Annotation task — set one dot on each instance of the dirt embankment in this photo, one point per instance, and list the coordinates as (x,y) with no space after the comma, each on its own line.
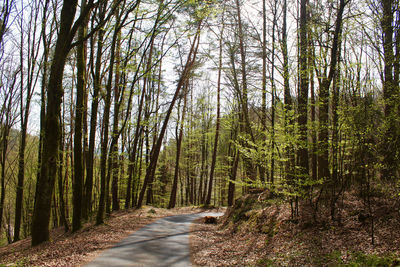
(259,231)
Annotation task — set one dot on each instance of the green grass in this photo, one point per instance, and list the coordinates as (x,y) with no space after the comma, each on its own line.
(361,260)
(356,259)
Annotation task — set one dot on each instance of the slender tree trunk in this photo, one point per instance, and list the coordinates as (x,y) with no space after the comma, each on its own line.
(43,92)
(314,138)
(217,126)
(390,91)
(302,153)
(251,172)
(323,136)
(232,176)
(172,200)
(118,98)
(287,99)
(87,204)
(134,148)
(41,214)
(203,171)
(262,167)
(5,129)
(60,180)
(104,184)
(139,129)
(335,183)
(79,110)
(24,112)
(273,104)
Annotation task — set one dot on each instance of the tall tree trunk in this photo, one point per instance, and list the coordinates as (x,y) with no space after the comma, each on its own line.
(24,111)
(118,98)
(251,172)
(323,136)
(172,199)
(262,167)
(79,110)
(87,204)
(234,163)
(203,170)
(43,92)
(314,138)
(335,183)
(390,91)
(289,167)
(41,214)
(60,180)
(5,132)
(218,122)
(302,153)
(105,182)
(273,104)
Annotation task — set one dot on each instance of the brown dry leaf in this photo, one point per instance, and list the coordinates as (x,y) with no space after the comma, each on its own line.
(292,244)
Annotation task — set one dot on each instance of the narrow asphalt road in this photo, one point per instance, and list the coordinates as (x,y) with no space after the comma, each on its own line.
(164,242)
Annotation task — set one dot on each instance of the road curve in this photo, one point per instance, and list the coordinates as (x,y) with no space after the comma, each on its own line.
(164,242)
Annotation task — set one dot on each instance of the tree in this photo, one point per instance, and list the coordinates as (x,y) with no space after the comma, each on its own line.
(179,136)
(5,12)
(31,78)
(104,185)
(246,127)
(218,122)
(45,183)
(302,152)
(325,82)
(391,72)
(7,120)
(79,109)
(96,76)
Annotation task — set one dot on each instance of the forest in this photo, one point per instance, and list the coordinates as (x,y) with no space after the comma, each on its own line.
(112,105)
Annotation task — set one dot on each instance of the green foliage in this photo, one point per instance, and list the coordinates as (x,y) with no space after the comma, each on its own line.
(361,260)
(266,262)
(19,263)
(355,259)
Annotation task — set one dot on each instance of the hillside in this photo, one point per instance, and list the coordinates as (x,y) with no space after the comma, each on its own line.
(259,232)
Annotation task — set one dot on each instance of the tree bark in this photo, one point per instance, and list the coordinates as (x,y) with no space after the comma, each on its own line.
(104,184)
(24,113)
(302,153)
(79,110)
(114,157)
(251,172)
(45,183)
(390,92)
(323,136)
(172,199)
(218,122)
(87,204)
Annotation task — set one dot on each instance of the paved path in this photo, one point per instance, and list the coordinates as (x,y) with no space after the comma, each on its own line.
(164,242)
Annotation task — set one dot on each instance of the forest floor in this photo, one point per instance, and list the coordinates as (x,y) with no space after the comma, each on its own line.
(76,249)
(265,236)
